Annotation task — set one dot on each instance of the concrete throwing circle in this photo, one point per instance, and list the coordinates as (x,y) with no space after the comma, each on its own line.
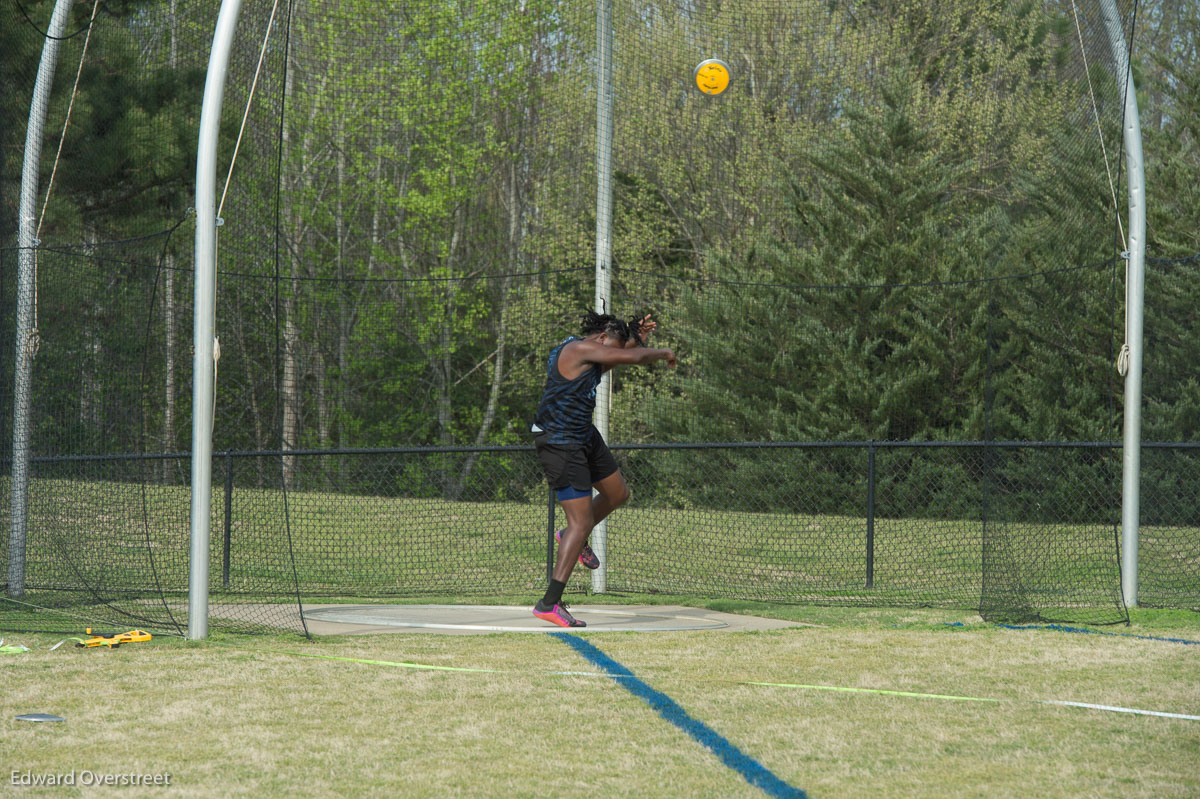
(506,618)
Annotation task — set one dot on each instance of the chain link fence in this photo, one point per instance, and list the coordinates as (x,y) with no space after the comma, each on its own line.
(929,524)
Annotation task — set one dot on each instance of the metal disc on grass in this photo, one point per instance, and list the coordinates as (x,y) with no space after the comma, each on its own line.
(39,717)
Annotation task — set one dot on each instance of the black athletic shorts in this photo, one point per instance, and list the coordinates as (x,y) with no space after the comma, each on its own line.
(575,465)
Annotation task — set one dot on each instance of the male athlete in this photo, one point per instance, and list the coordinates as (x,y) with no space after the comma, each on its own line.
(571,449)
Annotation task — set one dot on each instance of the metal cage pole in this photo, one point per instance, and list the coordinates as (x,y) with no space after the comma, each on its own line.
(604,204)
(204,316)
(27,335)
(1135,289)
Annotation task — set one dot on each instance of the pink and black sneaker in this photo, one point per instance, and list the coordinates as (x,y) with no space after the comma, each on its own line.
(586,555)
(557,614)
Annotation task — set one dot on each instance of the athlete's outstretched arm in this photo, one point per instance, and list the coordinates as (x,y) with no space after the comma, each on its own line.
(642,328)
(608,357)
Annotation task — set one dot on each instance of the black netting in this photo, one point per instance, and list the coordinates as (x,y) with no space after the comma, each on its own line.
(885,257)
(1169,551)
(96,288)
(106,525)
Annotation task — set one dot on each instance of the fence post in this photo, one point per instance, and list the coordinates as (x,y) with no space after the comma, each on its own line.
(228,519)
(549,534)
(1135,290)
(26,330)
(604,245)
(871,515)
(204,317)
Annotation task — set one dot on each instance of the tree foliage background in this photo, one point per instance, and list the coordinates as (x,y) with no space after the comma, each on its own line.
(832,246)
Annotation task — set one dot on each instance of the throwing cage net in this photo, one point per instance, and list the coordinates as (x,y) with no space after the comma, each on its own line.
(887,257)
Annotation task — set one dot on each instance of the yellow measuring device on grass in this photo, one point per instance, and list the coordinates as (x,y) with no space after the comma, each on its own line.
(114,639)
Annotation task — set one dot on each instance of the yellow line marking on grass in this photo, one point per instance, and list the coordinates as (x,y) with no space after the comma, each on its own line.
(834,688)
(415,666)
(396,664)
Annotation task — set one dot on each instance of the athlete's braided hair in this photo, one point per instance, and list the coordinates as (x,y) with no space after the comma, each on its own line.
(607,323)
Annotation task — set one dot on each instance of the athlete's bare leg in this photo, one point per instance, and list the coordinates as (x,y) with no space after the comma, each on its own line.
(579,525)
(583,514)
(612,494)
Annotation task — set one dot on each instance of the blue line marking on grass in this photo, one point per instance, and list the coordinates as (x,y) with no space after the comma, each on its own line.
(750,769)
(1063,629)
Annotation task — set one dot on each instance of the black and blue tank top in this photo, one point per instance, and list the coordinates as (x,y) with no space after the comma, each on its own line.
(565,413)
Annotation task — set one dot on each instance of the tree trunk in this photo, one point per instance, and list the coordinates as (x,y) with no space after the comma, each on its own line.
(89,379)
(289,389)
(443,366)
(168,435)
(489,414)
(260,443)
(169,323)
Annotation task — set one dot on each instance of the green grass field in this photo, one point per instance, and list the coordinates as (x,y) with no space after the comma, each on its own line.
(870,702)
(281,715)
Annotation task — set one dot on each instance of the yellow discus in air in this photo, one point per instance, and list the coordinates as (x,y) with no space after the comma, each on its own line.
(712,76)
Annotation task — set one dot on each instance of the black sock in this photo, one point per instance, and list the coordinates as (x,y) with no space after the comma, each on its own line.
(553,593)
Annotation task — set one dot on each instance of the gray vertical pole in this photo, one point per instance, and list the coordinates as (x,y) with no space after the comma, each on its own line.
(1135,288)
(549,534)
(26,267)
(204,316)
(604,204)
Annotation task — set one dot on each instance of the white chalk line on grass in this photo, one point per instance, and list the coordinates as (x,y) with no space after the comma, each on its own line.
(832,688)
(1115,709)
(836,688)
(916,695)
